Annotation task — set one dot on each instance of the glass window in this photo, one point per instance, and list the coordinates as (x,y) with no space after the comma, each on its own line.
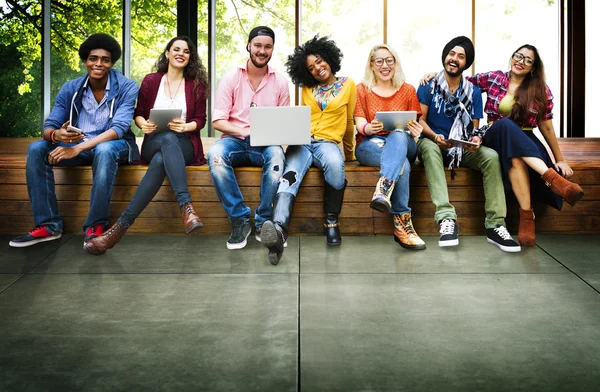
(420,33)
(20,79)
(355,29)
(513,26)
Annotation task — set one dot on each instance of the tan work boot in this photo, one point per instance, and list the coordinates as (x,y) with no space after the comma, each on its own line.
(191,220)
(381,197)
(405,233)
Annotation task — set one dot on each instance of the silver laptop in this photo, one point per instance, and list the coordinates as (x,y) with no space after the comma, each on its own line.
(279,125)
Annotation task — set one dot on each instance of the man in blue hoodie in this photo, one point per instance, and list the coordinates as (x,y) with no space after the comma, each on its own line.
(89,125)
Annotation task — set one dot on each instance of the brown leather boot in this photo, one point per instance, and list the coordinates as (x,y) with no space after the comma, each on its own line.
(569,191)
(405,234)
(526,234)
(99,245)
(191,220)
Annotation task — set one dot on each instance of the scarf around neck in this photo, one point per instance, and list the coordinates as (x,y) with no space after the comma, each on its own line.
(462,125)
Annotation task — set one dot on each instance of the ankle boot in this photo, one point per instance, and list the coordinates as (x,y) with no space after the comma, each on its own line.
(383,191)
(99,245)
(405,234)
(334,199)
(526,234)
(273,234)
(569,191)
(191,220)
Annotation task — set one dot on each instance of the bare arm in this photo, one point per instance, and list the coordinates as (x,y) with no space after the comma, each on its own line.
(229,129)
(428,132)
(547,130)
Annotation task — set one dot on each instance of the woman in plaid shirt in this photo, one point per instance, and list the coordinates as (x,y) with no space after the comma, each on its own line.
(517,102)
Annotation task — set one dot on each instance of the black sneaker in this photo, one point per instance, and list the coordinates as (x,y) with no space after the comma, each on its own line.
(37,234)
(240,232)
(502,239)
(448,233)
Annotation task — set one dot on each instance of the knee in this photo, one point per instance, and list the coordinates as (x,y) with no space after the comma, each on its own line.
(168,138)
(274,156)
(106,152)
(157,160)
(489,156)
(38,149)
(518,163)
(217,156)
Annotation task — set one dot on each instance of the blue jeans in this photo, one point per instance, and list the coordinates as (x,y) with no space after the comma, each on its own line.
(393,153)
(104,158)
(230,152)
(168,154)
(323,154)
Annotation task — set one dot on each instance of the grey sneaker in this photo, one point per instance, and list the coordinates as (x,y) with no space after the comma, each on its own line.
(239,234)
(257,236)
(448,233)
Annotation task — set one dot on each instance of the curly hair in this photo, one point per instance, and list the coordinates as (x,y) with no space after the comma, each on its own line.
(322,47)
(100,41)
(531,94)
(194,70)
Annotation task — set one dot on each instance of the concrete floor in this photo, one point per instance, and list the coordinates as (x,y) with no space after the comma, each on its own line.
(175,313)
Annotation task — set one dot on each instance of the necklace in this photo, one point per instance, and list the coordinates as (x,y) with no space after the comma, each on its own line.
(176,91)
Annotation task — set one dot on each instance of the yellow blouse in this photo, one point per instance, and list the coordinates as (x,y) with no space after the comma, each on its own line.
(336,122)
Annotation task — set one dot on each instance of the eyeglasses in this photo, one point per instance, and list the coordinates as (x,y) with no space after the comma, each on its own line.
(519,57)
(389,61)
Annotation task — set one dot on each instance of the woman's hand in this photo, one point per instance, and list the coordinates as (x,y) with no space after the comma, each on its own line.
(373,127)
(563,169)
(148,127)
(177,125)
(426,78)
(414,128)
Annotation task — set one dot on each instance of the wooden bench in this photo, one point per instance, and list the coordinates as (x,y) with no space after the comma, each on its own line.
(162,215)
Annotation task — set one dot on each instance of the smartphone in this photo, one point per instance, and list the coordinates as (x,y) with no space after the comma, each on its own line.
(74,129)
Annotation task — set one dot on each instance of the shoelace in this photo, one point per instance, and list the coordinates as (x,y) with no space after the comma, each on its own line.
(408,227)
(447,226)
(188,209)
(502,232)
(113,230)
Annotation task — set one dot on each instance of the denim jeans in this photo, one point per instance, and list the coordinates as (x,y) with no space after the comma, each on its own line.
(392,153)
(168,154)
(104,158)
(323,154)
(484,160)
(229,152)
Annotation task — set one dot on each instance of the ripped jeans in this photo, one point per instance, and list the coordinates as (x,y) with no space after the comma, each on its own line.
(229,152)
(324,154)
(393,153)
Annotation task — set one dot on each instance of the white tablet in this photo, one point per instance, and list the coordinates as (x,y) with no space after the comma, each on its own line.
(163,116)
(461,143)
(395,120)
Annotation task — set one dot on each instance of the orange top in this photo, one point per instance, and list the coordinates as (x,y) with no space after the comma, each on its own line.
(369,103)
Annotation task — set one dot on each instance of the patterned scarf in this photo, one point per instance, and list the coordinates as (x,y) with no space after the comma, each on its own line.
(462,126)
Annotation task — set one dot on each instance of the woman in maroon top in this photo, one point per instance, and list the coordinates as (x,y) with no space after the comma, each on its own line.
(180,82)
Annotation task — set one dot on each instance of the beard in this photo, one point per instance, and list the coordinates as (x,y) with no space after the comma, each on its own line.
(459,70)
(257,61)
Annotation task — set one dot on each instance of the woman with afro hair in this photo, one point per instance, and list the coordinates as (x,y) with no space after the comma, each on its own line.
(332,100)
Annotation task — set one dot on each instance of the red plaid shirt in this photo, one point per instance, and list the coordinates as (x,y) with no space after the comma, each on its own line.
(495,84)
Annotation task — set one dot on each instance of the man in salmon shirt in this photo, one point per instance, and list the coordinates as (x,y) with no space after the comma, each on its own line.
(253,83)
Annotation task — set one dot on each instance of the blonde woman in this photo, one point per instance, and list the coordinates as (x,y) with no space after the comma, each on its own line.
(392,150)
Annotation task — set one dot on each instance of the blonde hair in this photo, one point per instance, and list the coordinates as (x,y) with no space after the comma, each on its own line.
(370,80)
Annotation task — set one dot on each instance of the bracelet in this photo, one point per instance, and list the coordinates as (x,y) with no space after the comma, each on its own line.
(52,136)
(363,129)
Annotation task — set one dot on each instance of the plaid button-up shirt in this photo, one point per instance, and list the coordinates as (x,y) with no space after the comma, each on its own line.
(495,84)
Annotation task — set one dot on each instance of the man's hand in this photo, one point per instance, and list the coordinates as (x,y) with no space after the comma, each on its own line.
(473,139)
(442,143)
(61,153)
(64,135)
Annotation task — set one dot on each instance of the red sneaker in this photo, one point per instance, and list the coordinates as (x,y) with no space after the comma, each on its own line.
(93,232)
(38,234)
